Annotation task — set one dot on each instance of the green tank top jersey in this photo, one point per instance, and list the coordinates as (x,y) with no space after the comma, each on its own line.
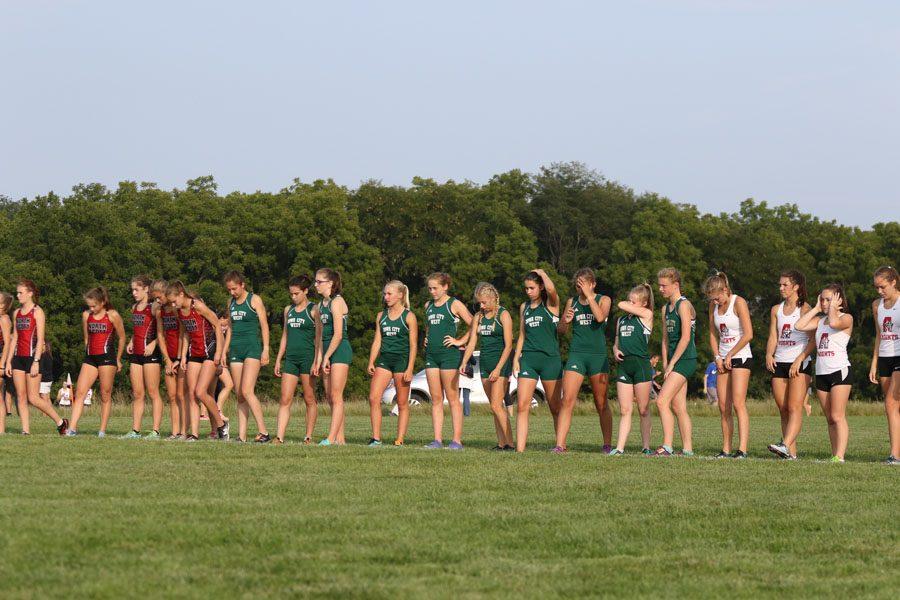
(328,323)
(441,323)
(588,335)
(244,320)
(301,332)
(673,331)
(394,333)
(490,332)
(633,336)
(540,330)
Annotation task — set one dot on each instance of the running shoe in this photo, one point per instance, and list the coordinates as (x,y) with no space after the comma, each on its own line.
(498,447)
(325,442)
(71,433)
(779,449)
(740,455)
(686,453)
(647,451)
(175,436)
(262,438)
(435,445)
(278,441)
(63,427)
(191,438)
(723,454)
(836,459)
(222,432)
(101,434)
(663,451)
(131,435)
(892,461)
(307,441)
(559,450)
(373,443)
(398,443)
(153,435)
(791,457)
(455,446)
(226,427)
(616,452)
(607,449)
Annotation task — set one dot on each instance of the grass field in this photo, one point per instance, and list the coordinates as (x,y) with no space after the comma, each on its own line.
(113,518)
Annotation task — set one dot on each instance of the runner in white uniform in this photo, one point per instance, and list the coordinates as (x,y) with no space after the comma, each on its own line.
(788,353)
(730,332)
(885,369)
(833,327)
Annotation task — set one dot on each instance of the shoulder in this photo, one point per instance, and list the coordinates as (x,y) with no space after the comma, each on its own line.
(875,304)
(740,301)
(428,304)
(85,314)
(774,310)
(256,300)
(410,316)
(522,307)
(379,315)
(338,302)
(287,309)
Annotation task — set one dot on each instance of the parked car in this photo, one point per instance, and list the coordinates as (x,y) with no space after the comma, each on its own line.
(419,393)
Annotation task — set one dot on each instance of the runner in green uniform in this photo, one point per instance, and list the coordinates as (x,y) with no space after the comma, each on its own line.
(298,350)
(333,349)
(634,373)
(247,346)
(537,351)
(392,357)
(587,315)
(492,326)
(442,357)
(679,362)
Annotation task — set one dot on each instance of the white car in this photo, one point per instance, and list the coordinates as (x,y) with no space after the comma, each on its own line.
(419,393)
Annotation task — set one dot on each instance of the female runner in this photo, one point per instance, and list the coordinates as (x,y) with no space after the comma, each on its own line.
(788,352)
(537,352)
(144,356)
(834,379)
(492,326)
(298,350)
(443,357)
(392,357)
(885,369)
(334,351)
(730,332)
(102,362)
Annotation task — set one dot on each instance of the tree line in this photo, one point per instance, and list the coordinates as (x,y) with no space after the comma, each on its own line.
(564,217)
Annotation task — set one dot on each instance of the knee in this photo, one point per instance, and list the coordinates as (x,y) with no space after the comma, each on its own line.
(644,412)
(626,411)
(247,391)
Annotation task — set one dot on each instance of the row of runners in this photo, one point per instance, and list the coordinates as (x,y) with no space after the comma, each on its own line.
(175,335)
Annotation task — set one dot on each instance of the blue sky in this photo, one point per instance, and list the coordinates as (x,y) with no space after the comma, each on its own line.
(706,102)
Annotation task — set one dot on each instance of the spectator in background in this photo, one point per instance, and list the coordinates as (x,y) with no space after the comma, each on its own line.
(709,383)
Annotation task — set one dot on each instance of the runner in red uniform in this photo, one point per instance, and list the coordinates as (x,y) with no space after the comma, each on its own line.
(202,353)
(99,322)
(24,363)
(145,358)
(168,332)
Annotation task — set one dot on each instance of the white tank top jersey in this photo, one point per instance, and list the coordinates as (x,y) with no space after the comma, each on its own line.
(889,329)
(730,331)
(831,348)
(791,342)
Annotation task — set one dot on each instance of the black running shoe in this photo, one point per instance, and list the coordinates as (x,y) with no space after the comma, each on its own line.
(63,427)
(222,432)
(739,455)
(262,438)
(723,454)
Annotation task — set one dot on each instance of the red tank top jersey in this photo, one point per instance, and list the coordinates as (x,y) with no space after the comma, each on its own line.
(100,333)
(170,331)
(144,324)
(26,327)
(200,332)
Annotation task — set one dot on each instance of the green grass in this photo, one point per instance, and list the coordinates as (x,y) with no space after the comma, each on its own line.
(111,518)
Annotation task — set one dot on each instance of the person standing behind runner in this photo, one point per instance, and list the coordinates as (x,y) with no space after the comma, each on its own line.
(492,325)
(537,352)
(144,356)
(298,350)
(392,357)
(788,354)
(334,351)
(587,314)
(168,343)
(679,355)
(635,373)
(99,322)
(885,369)
(24,356)
(202,351)
(443,357)
(834,378)
(5,349)
(730,332)
(247,348)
